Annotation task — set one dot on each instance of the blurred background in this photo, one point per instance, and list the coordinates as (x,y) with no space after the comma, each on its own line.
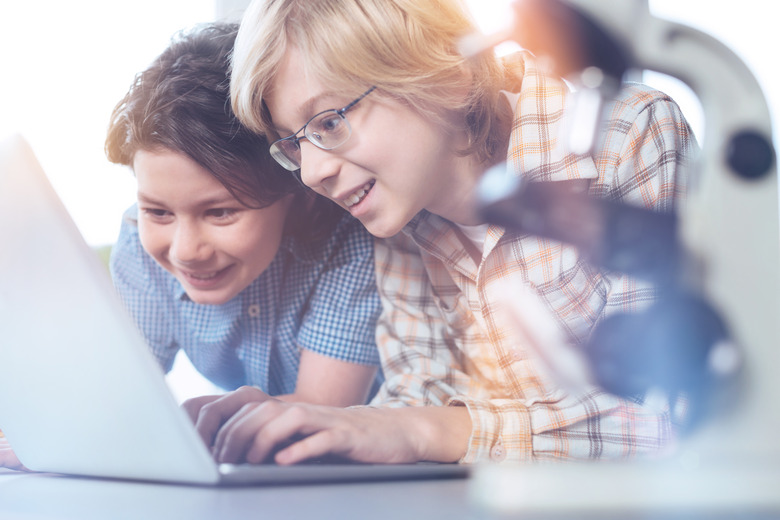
(64,65)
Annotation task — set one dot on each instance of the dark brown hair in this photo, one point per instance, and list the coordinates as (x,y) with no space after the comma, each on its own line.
(181,103)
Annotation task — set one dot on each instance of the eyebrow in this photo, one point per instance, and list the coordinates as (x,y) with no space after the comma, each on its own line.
(142,197)
(214,201)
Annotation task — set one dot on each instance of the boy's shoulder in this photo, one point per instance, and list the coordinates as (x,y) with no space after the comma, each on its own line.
(637,97)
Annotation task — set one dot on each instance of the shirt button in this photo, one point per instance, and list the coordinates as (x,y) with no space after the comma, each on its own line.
(517,355)
(254,310)
(497,452)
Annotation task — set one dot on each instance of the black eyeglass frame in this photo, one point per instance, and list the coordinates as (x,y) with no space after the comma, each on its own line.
(276,150)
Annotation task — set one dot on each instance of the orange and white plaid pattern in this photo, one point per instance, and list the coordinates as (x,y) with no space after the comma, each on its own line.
(442,336)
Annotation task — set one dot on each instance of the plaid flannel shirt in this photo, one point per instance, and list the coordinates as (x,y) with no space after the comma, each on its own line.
(441,336)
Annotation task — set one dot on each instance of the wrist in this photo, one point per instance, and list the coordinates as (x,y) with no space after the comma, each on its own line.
(443,432)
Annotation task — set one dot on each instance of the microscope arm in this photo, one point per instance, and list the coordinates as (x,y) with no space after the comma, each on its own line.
(730,223)
(728,229)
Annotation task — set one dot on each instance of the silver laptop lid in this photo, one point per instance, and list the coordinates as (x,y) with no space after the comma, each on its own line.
(80,393)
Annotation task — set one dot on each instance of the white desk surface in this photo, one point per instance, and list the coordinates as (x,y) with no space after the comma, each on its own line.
(40,496)
(50,497)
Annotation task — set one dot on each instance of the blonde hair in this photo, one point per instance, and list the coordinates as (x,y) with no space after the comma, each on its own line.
(407,48)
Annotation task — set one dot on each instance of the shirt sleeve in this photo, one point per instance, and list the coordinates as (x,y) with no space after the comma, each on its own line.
(421,360)
(143,287)
(340,321)
(646,148)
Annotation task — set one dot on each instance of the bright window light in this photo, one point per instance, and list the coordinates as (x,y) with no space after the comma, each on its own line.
(64,67)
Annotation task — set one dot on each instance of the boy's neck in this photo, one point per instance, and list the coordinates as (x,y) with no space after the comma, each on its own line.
(458,201)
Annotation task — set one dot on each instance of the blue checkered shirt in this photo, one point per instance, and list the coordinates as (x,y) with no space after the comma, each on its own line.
(319,295)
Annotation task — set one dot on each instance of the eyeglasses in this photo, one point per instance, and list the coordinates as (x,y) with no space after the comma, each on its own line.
(326,130)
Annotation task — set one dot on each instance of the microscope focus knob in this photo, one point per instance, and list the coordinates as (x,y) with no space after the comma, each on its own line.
(750,154)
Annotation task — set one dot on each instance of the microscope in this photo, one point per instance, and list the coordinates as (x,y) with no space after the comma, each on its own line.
(716,261)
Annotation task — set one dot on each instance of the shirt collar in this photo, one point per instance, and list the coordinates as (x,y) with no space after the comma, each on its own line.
(438,236)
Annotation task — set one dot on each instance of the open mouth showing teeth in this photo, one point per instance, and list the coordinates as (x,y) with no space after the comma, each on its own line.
(204,276)
(359,195)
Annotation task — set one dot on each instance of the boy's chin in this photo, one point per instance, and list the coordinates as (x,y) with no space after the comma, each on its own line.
(208,299)
(383,231)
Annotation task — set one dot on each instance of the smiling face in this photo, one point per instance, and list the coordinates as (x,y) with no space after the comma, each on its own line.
(395,163)
(196,230)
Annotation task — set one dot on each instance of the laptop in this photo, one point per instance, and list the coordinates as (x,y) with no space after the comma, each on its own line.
(80,391)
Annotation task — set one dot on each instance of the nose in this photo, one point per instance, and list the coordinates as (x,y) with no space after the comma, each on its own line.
(189,244)
(318,167)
